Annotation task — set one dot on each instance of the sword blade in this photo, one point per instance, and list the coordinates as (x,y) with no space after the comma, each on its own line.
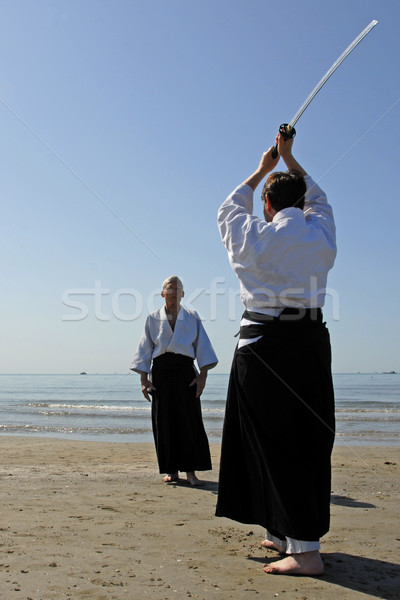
(333,68)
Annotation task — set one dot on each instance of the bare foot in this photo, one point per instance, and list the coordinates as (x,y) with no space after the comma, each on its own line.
(305,563)
(170,478)
(272,546)
(192,479)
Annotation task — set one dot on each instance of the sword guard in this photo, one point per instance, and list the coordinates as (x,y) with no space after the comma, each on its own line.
(287,133)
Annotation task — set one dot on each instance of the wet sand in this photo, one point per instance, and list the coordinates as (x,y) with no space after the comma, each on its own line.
(93,520)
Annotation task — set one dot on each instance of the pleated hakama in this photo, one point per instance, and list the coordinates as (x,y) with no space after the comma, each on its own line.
(179,435)
(278,432)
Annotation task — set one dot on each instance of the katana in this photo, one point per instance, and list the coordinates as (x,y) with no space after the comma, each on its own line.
(287,130)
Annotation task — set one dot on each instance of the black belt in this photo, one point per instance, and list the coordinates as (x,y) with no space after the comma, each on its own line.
(173,357)
(289,316)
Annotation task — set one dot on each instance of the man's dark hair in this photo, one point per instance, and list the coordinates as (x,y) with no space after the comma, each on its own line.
(284,190)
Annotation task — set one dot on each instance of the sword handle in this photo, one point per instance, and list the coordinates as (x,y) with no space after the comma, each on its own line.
(287,133)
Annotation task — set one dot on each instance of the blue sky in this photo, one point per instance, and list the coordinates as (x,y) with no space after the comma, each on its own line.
(124,126)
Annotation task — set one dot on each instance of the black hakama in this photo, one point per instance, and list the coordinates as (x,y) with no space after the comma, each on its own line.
(179,435)
(279,431)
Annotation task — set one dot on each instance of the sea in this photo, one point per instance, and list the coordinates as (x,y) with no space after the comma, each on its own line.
(111,408)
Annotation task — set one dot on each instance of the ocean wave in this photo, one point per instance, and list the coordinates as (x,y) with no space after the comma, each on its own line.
(372,418)
(371,411)
(369,434)
(92,407)
(80,430)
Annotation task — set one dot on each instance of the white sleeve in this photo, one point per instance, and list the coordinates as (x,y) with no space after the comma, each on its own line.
(142,359)
(205,354)
(318,211)
(238,227)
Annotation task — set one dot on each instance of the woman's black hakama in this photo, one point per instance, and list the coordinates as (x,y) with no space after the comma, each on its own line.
(179,435)
(279,431)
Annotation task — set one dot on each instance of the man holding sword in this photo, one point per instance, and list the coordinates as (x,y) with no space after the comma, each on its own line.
(279,423)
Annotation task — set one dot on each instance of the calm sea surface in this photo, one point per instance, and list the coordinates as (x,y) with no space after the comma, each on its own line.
(112,408)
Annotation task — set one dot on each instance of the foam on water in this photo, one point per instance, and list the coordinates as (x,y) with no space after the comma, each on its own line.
(112,408)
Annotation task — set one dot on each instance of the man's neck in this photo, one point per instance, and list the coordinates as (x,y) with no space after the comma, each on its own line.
(173,310)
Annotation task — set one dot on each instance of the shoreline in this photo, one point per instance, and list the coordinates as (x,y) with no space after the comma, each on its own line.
(93,520)
(96,438)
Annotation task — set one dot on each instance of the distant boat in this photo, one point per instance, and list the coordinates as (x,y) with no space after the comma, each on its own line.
(389,373)
(83,373)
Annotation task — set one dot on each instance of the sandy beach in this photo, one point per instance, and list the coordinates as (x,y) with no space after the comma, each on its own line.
(93,520)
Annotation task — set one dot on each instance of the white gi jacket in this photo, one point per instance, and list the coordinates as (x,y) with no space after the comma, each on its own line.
(188,338)
(285,262)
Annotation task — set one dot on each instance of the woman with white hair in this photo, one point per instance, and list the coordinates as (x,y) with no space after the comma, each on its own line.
(173,337)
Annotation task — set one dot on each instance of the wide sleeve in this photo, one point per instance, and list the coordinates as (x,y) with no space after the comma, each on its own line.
(142,359)
(205,354)
(236,223)
(318,212)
